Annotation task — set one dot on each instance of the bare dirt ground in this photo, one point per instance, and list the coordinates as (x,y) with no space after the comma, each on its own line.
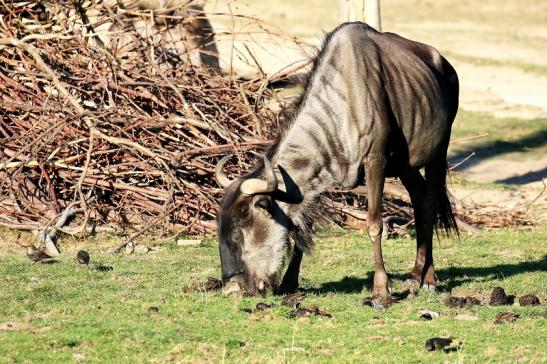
(497,47)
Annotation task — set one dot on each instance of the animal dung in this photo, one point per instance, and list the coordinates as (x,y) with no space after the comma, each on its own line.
(381,303)
(459,302)
(212,284)
(472,301)
(428,315)
(104,267)
(437,343)
(38,256)
(246,310)
(498,297)
(261,306)
(293,300)
(455,302)
(153,309)
(529,300)
(82,257)
(309,311)
(505,317)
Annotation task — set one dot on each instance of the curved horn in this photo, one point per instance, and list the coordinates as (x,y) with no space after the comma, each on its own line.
(254,186)
(219,172)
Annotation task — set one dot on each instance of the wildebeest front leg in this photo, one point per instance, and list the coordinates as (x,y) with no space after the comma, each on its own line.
(375,176)
(290,279)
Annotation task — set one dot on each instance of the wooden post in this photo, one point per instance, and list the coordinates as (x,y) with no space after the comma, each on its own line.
(360,10)
(372,14)
(350,10)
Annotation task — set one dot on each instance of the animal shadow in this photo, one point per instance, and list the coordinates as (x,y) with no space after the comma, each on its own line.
(449,277)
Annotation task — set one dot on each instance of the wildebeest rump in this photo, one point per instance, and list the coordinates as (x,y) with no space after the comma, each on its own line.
(375,105)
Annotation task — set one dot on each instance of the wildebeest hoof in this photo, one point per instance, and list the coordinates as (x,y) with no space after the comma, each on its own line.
(287,289)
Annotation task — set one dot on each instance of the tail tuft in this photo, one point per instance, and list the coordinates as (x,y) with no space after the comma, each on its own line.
(445,214)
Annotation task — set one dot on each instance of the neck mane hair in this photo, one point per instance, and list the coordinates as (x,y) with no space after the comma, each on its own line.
(310,211)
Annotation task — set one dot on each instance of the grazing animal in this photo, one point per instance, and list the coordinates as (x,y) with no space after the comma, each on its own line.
(375,105)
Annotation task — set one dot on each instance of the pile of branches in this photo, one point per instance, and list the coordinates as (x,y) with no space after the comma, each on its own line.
(122,140)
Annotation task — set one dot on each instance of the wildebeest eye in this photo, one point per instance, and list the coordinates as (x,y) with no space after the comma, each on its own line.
(264,203)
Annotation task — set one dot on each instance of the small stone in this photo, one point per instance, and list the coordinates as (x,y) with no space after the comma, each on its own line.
(529,300)
(153,309)
(437,343)
(129,247)
(246,310)
(505,317)
(428,315)
(498,297)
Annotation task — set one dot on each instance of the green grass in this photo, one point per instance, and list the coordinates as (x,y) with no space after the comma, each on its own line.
(536,69)
(64,313)
(512,138)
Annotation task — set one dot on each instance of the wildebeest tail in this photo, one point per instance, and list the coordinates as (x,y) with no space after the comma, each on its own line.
(445,213)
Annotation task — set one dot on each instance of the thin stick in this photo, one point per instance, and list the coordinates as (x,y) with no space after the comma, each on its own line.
(134,236)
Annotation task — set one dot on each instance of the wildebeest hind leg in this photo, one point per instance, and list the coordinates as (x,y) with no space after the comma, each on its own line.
(290,279)
(375,176)
(423,202)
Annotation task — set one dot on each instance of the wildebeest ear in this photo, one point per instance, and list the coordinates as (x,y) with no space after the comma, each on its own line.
(264,203)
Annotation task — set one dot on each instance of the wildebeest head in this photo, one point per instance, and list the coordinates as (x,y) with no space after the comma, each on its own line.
(253,231)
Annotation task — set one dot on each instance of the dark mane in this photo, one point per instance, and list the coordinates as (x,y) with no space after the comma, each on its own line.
(315,213)
(289,114)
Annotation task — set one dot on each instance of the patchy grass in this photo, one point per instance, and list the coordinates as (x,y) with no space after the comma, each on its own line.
(513,138)
(536,69)
(64,312)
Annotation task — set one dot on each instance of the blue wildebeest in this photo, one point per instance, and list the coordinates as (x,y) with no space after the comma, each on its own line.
(375,105)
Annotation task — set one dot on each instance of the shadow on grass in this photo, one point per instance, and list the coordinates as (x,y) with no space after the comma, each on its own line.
(532,176)
(450,278)
(536,139)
